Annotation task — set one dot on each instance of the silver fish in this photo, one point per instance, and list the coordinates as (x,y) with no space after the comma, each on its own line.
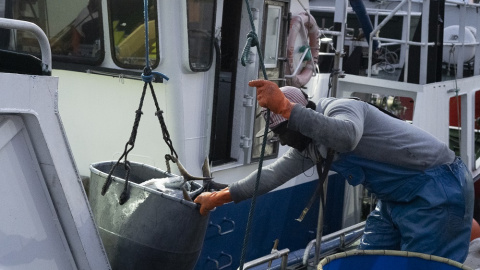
(169,185)
(176,186)
(209,184)
(206,169)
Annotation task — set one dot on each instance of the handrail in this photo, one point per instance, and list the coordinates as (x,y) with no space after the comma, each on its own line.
(379,26)
(341,233)
(323,32)
(370,11)
(463,3)
(38,33)
(274,255)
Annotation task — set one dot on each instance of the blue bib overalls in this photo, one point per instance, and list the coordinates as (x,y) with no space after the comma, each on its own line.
(421,211)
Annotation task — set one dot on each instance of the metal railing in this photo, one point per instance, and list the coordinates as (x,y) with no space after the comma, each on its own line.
(267,258)
(341,234)
(406,43)
(39,35)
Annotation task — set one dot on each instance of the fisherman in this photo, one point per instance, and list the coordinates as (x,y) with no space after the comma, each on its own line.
(425,193)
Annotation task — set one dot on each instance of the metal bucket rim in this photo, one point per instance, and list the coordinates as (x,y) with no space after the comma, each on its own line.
(96,171)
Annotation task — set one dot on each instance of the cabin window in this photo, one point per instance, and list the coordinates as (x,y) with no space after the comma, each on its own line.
(272,35)
(74,32)
(201,25)
(127,33)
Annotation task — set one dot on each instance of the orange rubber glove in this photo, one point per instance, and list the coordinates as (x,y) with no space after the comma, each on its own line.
(210,200)
(270,96)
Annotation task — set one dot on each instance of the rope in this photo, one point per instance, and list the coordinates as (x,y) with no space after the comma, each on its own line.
(148,74)
(252,41)
(147,42)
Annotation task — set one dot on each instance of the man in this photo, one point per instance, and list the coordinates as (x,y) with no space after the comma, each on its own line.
(86,27)
(425,193)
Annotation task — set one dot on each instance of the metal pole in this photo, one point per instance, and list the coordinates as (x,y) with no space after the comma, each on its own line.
(318,239)
(460,49)
(476,65)
(340,19)
(374,33)
(336,72)
(275,255)
(424,40)
(407,38)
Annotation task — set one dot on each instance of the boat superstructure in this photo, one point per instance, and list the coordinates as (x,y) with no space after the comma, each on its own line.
(98,52)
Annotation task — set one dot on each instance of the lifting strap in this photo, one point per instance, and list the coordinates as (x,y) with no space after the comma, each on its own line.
(322,177)
(147,77)
(131,144)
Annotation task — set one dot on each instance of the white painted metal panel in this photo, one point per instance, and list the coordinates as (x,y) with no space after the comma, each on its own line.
(33,101)
(30,234)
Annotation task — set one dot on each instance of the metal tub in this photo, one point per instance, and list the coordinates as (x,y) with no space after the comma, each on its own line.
(152,230)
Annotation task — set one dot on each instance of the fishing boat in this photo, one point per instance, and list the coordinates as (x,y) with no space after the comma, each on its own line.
(73,77)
